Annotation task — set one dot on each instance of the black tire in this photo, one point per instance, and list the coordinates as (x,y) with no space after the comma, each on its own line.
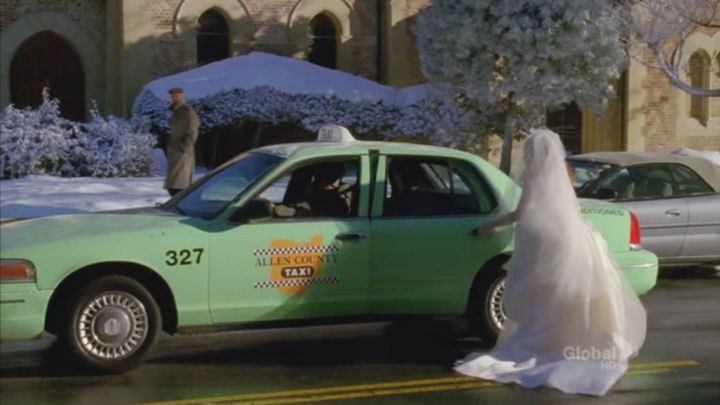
(130,320)
(485,312)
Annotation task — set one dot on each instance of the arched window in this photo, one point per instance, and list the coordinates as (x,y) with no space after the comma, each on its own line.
(324,41)
(699,76)
(48,60)
(213,39)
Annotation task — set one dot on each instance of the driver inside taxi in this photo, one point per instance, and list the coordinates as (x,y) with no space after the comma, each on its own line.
(328,196)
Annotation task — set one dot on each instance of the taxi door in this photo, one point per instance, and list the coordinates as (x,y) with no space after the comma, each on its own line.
(424,257)
(285,268)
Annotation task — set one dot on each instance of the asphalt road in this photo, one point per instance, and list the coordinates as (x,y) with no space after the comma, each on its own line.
(398,363)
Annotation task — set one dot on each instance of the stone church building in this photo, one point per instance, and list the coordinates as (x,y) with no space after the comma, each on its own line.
(104,51)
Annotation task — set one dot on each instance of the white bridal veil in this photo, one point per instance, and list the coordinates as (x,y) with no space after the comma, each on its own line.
(573,319)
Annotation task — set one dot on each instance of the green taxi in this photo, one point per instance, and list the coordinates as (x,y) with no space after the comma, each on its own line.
(335,229)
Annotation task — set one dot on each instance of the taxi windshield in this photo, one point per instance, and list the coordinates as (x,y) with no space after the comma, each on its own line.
(213,193)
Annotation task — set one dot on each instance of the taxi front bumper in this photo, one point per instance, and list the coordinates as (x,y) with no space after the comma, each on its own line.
(22,311)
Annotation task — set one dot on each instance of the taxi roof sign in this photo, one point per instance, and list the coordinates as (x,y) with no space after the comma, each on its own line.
(334,133)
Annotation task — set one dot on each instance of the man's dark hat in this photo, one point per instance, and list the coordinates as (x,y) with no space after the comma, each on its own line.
(175,90)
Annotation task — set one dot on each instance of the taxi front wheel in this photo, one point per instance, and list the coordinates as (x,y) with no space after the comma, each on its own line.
(485,312)
(110,326)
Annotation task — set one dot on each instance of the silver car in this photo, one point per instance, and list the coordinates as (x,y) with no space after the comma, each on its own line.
(676,199)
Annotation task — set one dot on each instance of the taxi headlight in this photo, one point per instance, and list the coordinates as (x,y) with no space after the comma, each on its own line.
(16,271)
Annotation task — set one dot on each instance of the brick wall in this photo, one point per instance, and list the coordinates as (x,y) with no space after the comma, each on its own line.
(269,20)
(667,124)
(163,12)
(413,7)
(659,131)
(89,14)
(409,13)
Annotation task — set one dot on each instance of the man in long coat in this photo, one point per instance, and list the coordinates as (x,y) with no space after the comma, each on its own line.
(180,143)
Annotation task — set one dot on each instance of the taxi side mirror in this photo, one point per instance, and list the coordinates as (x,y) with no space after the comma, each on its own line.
(605,194)
(254,210)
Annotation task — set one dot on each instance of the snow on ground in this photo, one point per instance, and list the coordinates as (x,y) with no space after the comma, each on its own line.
(40,196)
(37,196)
(289,75)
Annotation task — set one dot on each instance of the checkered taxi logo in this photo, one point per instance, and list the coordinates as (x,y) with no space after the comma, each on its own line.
(296,250)
(298,282)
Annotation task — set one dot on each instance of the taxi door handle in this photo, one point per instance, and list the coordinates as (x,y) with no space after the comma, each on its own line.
(350,236)
(673,213)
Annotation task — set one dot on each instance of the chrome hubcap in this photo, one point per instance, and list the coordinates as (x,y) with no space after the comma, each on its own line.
(113,325)
(497,311)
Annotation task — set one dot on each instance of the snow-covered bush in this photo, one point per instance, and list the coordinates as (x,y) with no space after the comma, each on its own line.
(273,90)
(34,140)
(40,141)
(436,117)
(111,147)
(429,117)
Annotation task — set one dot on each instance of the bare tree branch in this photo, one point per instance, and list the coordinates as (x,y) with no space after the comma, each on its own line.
(663,27)
(709,17)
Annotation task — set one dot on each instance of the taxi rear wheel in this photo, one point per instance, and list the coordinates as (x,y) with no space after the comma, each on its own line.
(486,312)
(111,324)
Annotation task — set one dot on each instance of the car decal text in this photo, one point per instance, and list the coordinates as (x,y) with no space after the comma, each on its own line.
(295,266)
(604,211)
(183,257)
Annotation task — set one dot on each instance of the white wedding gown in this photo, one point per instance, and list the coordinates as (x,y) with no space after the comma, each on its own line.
(573,319)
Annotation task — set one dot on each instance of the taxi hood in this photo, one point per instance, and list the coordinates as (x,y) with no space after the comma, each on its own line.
(38,231)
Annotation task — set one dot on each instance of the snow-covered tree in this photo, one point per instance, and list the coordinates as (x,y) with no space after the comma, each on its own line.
(512,59)
(663,27)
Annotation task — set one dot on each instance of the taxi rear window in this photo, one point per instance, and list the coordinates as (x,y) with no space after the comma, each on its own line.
(435,187)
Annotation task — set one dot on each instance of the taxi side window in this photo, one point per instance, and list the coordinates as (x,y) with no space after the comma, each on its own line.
(435,187)
(325,189)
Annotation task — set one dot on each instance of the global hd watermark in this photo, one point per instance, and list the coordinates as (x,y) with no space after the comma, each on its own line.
(607,357)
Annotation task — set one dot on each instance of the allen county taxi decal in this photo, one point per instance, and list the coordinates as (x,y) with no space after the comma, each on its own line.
(295,266)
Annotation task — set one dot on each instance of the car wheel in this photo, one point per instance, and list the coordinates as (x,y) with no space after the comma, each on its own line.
(485,312)
(111,325)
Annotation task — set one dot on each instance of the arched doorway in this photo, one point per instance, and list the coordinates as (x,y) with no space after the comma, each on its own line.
(323,49)
(213,38)
(47,59)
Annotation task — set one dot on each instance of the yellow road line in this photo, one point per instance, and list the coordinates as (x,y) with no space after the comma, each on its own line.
(372,393)
(650,371)
(680,363)
(311,391)
(400,391)
(388,388)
